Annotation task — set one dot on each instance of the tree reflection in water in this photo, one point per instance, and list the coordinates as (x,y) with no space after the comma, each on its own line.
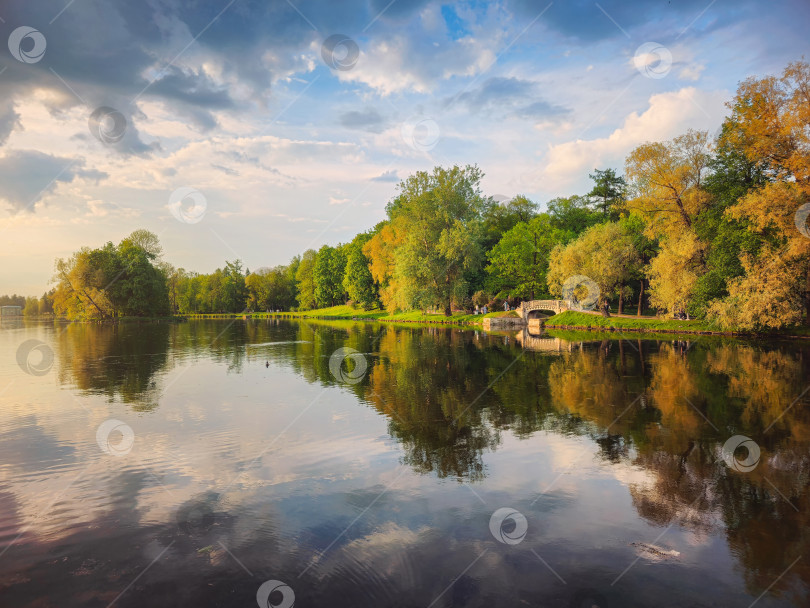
(664,406)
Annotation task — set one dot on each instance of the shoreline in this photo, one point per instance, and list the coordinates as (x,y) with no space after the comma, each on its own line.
(690,332)
(654,326)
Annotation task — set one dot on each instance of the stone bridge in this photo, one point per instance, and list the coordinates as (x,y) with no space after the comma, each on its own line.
(555,306)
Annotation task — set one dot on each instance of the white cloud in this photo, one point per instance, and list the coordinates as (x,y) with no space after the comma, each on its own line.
(400,63)
(691,71)
(668,115)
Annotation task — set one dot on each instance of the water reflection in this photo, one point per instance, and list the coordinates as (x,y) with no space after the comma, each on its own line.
(119,361)
(656,413)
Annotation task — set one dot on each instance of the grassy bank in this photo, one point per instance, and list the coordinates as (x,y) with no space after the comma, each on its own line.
(347,312)
(585,321)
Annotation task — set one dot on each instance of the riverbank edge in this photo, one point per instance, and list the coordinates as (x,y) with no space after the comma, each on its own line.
(476,321)
(690,332)
(653,329)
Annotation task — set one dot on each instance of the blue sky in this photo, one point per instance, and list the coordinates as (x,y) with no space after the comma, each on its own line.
(290,123)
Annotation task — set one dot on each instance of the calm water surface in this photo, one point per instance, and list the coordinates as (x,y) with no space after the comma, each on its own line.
(187,464)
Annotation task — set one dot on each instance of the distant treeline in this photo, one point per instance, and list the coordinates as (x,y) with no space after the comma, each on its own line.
(30,306)
(709,228)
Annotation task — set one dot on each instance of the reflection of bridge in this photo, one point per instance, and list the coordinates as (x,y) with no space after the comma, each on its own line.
(555,306)
(543,343)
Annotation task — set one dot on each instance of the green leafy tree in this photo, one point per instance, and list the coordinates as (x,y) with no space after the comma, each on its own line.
(290,272)
(646,248)
(112,281)
(438,216)
(234,290)
(608,192)
(498,217)
(358,282)
(12,300)
(304,279)
(573,214)
(330,267)
(270,289)
(137,287)
(518,263)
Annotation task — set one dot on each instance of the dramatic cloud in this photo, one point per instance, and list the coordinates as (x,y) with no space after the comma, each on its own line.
(23,173)
(9,119)
(293,148)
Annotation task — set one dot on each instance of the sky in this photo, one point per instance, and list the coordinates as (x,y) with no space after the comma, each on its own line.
(254,130)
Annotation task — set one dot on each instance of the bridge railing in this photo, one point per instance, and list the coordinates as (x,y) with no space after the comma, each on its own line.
(551,305)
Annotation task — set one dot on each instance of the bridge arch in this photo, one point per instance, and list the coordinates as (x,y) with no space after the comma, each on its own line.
(539,313)
(533,308)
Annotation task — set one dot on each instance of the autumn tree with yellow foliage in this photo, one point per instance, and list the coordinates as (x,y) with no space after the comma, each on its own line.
(770,126)
(666,179)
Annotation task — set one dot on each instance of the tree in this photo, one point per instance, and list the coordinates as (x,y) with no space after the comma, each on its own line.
(112,281)
(518,263)
(290,272)
(305,281)
(136,288)
(604,253)
(327,275)
(674,272)
(258,286)
(646,248)
(608,191)
(148,241)
(498,218)
(234,290)
(379,250)
(768,296)
(358,282)
(439,216)
(728,239)
(573,214)
(12,300)
(172,277)
(770,126)
(667,178)
(270,289)
(45,304)
(31,307)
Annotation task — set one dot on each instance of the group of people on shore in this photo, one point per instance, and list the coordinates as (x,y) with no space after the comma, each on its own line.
(482,310)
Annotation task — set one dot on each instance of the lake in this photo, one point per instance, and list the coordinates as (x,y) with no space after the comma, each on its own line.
(272,462)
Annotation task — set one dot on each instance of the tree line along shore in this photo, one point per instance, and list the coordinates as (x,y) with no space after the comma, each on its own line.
(713,229)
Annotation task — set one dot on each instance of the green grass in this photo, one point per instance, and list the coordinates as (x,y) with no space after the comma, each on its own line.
(414,316)
(582,319)
(343,311)
(597,321)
